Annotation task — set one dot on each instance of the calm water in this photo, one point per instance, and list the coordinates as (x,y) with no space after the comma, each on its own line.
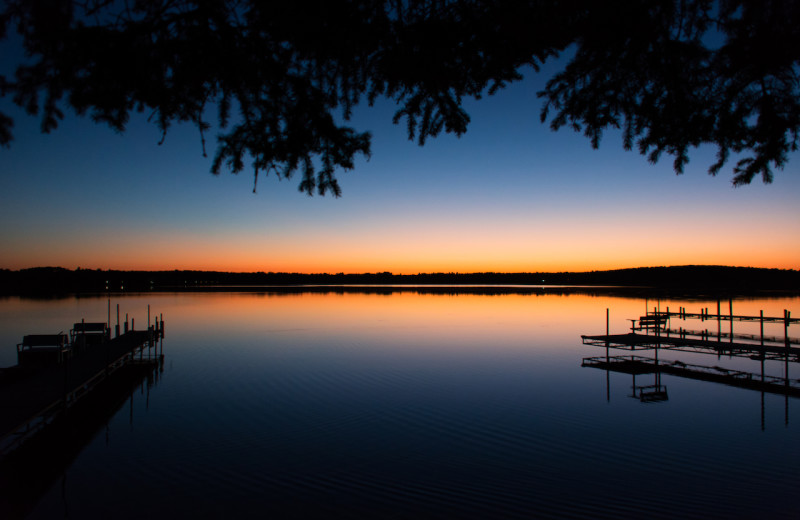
(416,405)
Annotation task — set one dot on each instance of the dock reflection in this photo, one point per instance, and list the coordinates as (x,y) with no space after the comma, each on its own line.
(652,334)
(28,472)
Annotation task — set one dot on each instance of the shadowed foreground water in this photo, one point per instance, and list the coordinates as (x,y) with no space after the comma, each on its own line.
(414,405)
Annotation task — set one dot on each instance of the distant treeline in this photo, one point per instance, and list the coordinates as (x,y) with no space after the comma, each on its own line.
(685,279)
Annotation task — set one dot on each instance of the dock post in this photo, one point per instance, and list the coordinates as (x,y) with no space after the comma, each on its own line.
(126,322)
(153,341)
(82,344)
(786,318)
(148,316)
(762,329)
(719,323)
(607,340)
(730,313)
(133,323)
(116,335)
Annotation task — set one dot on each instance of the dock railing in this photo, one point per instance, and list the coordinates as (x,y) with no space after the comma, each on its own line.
(54,374)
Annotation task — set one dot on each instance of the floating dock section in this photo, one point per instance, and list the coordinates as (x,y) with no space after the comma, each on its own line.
(657,331)
(53,375)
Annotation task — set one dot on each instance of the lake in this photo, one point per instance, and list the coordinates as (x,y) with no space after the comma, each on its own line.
(387,403)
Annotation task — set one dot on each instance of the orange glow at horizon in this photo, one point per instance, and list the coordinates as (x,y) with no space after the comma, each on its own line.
(574,243)
(425,254)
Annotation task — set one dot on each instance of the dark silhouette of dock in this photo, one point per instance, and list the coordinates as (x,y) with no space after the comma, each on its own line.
(638,365)
(654,333)
(32,397)
(682,342)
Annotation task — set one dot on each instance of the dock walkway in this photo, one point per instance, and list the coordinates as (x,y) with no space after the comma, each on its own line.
(652,332)
(635,341)
(31,398)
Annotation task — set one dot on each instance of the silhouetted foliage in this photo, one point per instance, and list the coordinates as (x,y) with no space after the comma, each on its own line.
(686,280)
(675,75)
(284,76)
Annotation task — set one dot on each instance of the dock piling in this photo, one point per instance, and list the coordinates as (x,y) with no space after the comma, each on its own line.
(50,390)
(607,332)
(730,313)
(757,347)
(786,319)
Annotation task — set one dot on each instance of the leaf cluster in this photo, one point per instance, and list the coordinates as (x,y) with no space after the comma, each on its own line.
(284,77)
(674,75)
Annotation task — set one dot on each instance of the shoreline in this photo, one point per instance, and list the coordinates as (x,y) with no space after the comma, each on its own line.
(722,281)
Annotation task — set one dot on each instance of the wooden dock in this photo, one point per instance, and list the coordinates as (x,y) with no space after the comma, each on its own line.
(655,332)
(685,343)
(32,397)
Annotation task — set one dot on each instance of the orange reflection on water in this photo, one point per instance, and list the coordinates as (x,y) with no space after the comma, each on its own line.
(410,318)
(449,320)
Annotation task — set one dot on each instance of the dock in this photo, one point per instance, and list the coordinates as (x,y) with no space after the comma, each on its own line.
(657,332)
(685,343)
(33,394)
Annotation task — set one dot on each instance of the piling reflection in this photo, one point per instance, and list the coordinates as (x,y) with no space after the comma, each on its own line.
(654,333)
(424,405)
(42,461)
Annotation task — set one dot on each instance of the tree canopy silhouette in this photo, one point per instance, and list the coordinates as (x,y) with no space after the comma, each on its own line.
(284,77)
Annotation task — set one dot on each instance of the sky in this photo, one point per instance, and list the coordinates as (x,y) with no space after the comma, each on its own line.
(508,196)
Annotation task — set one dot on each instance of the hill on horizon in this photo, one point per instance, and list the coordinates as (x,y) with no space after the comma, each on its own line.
(688,278)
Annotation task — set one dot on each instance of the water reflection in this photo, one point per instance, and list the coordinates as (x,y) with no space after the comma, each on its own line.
(655,333)
(420,405)
(42,462)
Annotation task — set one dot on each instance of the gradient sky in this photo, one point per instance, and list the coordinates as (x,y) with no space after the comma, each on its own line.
(510,195)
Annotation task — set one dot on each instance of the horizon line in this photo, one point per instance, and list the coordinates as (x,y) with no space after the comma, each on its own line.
(389,273)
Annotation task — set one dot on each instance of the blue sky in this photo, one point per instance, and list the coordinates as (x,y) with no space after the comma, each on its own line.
(509,195)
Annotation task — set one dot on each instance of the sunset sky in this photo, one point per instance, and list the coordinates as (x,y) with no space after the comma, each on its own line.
(510,195)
